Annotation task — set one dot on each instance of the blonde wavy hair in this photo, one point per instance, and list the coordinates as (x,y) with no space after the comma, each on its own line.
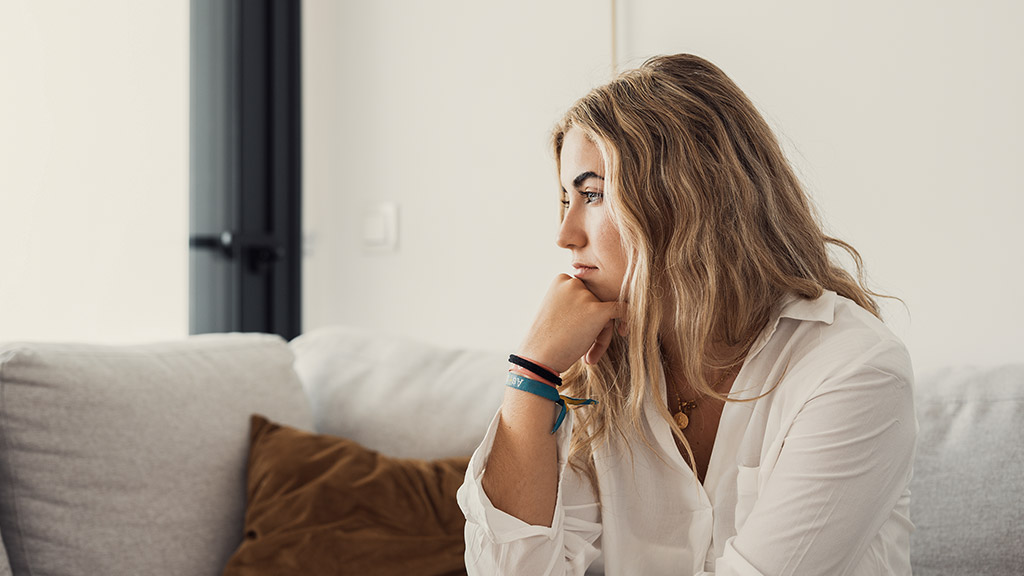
(717,229)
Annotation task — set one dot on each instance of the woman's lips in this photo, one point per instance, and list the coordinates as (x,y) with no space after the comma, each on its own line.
(582,270)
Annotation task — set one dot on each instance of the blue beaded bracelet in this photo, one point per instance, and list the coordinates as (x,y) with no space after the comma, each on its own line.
(547,392)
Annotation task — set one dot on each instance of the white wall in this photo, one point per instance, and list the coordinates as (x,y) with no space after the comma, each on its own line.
(444,107)
(93,170)
(903,118)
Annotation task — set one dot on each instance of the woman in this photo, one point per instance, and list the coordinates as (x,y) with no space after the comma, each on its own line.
(753,414)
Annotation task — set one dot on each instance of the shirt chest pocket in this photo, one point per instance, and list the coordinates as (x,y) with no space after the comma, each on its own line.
(747,490)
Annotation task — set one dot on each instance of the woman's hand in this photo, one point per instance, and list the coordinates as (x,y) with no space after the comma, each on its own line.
(571,323)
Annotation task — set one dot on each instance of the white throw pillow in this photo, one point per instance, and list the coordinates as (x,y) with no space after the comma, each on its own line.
(401,397)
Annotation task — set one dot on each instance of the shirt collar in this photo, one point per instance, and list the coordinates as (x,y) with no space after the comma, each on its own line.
(820,309)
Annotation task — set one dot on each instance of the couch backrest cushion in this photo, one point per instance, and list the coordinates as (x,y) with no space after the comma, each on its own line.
(966,495)
(401,397)
(128,460)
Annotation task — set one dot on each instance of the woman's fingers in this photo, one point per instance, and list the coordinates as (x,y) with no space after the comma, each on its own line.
(571,319)
(616,324)
(621,326)
(600,345)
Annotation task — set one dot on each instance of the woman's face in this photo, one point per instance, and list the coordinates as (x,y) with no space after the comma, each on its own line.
(588,230)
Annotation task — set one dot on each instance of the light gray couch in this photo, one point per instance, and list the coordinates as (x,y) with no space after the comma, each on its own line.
(131,460)
(967,494)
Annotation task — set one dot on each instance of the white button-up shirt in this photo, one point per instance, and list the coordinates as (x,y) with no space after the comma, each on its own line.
(812,478)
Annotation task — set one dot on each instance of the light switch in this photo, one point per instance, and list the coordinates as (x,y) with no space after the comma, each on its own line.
(380,227)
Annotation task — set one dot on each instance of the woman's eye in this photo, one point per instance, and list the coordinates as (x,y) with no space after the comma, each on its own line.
(592,197)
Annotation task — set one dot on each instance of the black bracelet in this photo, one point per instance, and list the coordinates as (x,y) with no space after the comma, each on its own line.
(538,370)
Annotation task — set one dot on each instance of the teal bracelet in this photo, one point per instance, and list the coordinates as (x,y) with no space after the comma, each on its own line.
(548,393)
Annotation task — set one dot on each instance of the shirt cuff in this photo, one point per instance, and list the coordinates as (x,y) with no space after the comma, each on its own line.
(501,527)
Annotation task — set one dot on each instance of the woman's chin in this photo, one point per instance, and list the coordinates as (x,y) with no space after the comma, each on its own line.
(603,293)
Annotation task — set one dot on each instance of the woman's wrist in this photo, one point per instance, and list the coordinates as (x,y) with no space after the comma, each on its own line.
(547,392)
(519,371)
(530,368)
(547,358)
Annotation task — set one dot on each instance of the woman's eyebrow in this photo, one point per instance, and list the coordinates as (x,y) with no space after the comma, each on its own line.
(583,177)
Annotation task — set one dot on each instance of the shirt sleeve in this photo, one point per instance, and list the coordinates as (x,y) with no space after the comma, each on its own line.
(499,543)
(845,461)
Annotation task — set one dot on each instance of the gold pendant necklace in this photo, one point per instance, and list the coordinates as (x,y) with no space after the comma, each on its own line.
(682,420)
(682,417)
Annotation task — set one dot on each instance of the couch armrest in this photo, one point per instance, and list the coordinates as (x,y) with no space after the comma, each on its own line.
(132,459)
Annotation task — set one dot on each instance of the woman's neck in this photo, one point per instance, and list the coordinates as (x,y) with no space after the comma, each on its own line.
(716,355)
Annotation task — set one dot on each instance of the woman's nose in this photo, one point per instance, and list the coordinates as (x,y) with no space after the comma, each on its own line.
(570,232)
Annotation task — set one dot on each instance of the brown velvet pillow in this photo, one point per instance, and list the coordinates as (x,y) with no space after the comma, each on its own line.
(321,504)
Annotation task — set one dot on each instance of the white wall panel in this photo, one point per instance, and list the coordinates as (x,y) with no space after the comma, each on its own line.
(93,170)
(903,119)
(444,108)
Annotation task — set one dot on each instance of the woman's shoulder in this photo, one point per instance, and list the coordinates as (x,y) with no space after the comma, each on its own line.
(830,339)
(827,348)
